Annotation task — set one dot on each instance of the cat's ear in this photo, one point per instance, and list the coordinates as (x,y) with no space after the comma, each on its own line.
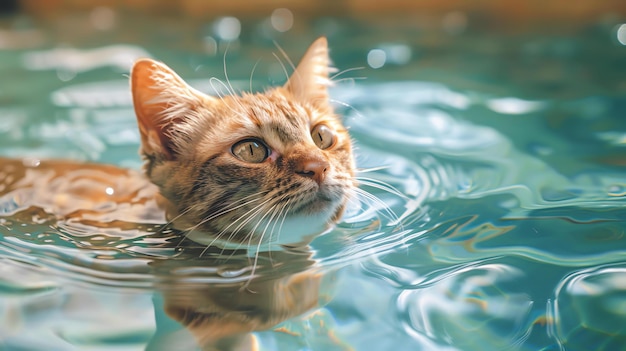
(310,81)
(163,102)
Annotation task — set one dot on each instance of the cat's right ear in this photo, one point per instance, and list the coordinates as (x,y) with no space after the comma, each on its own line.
(310,80)
(163,102)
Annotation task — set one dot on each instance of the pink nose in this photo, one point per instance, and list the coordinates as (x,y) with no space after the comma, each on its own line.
(315,169)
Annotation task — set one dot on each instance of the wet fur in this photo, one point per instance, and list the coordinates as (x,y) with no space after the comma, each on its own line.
(187,137)
(204,190)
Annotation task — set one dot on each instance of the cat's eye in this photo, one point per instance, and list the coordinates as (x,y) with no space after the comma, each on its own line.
(323,136)
(250,150)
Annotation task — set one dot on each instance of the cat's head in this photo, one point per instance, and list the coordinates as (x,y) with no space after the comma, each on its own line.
(245,167)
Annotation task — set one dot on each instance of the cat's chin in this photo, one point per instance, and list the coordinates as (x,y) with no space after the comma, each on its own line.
(325,200)
(317,206)
(294,230)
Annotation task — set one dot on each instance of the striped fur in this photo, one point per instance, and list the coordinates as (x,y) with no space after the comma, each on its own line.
(186,144)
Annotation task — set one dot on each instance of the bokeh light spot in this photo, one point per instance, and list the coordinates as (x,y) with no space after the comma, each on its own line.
(621,34)
(454,22)
(376,58)
(227,28)
(282,19)
(397,54)
(102,18)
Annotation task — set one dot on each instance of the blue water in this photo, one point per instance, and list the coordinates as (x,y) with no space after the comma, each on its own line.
(506,232)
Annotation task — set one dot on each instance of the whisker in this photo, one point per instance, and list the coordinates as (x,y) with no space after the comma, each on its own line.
(282,65)
(260,241)
(286,206)
(250,236)
(346,71)
(282,52)
(232,90)
(352,79)
(257,196)
(219,92)
(276,202)
(275,212)
(240,222)
(260,220)
(256,210)
(174,219)
(252,73)
(248,217)
(376,201)
(372,169)
(230,207)
(379,184)
(221,95)
(345,104)
(281,214)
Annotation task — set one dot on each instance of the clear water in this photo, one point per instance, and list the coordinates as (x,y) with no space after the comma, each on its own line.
(506,150)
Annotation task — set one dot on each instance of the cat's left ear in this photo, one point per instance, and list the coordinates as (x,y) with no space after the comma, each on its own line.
(164,105)
(310,81)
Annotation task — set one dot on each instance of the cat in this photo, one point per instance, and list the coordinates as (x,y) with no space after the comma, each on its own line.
(240,172)
(244,169)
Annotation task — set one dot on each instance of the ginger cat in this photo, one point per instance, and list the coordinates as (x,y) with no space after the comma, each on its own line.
(248,169)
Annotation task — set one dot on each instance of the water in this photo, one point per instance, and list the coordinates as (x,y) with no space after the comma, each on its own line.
(506,151)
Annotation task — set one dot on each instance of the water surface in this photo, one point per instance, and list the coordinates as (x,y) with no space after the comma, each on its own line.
(506,231)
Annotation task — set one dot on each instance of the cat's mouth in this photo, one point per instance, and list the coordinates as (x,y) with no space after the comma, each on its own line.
(319,202)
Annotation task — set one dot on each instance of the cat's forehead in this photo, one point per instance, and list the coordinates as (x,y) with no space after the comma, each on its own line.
(273,116)
(274,107)
(280,121)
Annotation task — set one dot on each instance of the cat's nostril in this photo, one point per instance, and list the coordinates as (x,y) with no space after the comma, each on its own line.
(313,169)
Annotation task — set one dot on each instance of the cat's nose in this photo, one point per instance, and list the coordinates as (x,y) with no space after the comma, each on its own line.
(315,169)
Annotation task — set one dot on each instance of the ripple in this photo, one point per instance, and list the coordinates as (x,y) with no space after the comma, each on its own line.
(450,201)
(472,308)
(590,309)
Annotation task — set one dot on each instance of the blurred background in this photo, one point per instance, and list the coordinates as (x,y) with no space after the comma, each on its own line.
(500,122)
(424,39)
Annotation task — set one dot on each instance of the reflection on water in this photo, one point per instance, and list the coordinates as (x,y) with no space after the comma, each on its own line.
(211,295)
(505,229)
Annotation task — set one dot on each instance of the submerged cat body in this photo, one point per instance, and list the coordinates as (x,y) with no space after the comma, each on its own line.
(273,167)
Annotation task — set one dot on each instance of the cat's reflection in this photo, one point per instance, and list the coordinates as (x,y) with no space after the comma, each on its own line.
(218,302)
